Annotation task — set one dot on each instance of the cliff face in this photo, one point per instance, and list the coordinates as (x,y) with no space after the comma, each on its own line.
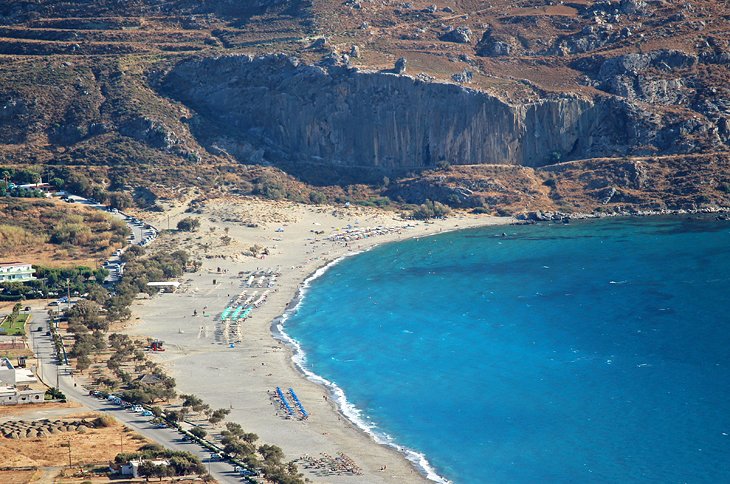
(303,114)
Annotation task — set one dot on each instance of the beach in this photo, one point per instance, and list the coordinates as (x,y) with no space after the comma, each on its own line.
(290,242)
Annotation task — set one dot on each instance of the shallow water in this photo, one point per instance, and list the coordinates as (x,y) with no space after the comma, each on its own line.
(591,352)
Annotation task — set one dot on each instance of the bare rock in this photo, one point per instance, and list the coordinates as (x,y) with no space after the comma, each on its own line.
(400,65)
(459,35)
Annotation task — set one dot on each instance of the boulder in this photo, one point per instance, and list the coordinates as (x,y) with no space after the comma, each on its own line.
(459,35)
(489,46)
(320,43)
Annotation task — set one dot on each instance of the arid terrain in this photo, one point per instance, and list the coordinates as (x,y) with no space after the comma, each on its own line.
(45,458)
(171,94)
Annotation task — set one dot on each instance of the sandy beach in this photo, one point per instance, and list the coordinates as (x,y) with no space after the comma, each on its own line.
(298,241)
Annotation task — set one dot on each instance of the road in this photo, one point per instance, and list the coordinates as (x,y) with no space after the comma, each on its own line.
(139,232)
(52,373)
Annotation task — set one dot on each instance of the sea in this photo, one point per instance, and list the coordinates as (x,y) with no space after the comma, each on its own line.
(597,351)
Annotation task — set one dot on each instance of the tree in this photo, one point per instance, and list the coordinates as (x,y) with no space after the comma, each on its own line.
(120,200)
(86,313)
(57,183)
(218,415)
(98,294)
(198,432)
(430,209)
(188,224)
(238,448)
(133,253)
(271,453)
(83,363)
(234,429)
(191,400)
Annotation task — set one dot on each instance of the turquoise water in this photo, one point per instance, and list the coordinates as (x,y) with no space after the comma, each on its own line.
(590,352)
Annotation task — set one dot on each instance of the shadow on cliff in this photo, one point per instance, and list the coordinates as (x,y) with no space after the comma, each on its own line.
(338,125)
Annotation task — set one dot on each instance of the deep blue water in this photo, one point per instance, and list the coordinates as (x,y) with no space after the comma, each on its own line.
(591,352)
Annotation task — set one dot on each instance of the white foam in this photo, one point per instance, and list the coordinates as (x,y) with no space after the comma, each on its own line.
(350,411)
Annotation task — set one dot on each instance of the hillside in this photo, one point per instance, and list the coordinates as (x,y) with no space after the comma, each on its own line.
(182,93)
(53,233)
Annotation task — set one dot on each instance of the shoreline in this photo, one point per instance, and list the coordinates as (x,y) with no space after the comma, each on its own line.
(341,404)
(218,374)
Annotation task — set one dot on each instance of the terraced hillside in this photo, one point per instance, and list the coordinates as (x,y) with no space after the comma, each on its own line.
(174,93)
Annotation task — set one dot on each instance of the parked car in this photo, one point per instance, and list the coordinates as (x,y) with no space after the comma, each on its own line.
(147,413)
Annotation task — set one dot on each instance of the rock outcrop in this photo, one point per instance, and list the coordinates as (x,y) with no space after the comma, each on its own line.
(336,116)
(459,35)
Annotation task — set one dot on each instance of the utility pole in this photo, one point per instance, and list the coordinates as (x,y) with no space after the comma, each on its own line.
(69,452)
(121,444)
(68,294)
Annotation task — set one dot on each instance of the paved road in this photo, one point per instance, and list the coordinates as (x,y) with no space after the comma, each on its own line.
(138,231)
(170,438)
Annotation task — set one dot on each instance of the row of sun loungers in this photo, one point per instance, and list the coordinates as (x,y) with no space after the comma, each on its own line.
(261,279)
(282,402)
(240,308)
(350,235)
(298,403)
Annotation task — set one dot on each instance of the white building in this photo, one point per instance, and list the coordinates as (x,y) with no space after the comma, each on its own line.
(14,387)
(11,395)
(9,375)
(16,272)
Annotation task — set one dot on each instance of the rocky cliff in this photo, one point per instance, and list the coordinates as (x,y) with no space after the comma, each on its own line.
(274,108)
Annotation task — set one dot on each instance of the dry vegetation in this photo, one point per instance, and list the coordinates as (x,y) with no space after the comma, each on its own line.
(94,446)
(53,233)
(91,104)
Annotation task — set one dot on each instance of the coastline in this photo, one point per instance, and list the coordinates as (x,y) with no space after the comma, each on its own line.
(335,425)
(341,404)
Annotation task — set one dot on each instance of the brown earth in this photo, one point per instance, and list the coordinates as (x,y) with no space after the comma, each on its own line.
(94,446)
(79,82)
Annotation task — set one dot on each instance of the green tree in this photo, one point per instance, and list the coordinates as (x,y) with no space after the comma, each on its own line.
(218,415)
(188,224)
(120,200)
(83,363)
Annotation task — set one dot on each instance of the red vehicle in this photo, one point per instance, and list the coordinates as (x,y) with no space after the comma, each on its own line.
(156,345)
